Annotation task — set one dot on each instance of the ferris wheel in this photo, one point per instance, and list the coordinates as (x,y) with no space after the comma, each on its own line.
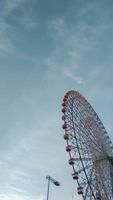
(89,147)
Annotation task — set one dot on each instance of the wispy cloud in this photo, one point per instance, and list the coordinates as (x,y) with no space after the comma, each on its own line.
(13,196)
(83,36)
(6,44)
(9,6)
(28,17)
(57,26)
(70,72)
(29,22)
(77,79)
(75,44)
(26,167)
(65,57)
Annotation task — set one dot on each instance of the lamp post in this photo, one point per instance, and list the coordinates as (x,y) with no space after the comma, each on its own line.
(50,179)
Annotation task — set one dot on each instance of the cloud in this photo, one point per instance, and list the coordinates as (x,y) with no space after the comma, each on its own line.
(68,66)
(70,72)
(29,22)
(24,165)
(79,44)
(6,44)
(77,79)
(82,36)
(57,26)
(9,6)
(13,196)
(28,18)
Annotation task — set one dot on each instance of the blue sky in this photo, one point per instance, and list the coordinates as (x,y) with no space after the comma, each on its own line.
(48,47)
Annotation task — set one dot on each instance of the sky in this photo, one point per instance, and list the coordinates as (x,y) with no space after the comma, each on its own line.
(48,47)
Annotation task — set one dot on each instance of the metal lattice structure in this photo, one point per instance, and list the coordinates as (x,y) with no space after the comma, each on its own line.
(89,147)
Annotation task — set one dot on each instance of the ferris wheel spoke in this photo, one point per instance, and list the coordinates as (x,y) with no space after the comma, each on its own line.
(88,186)
(81,124)
(85,131)
(104,177)
(89,139)
(74,147)
(103,187)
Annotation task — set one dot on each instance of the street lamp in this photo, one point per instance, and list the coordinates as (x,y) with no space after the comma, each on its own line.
(50,179)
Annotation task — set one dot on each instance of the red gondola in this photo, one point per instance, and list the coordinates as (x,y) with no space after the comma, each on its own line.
(71,161)
(64,126)
(66,136)
(75,175)
(68,148)
(80,190)
(64,109)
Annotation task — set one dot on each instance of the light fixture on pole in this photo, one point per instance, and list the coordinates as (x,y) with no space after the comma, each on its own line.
(50,179)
